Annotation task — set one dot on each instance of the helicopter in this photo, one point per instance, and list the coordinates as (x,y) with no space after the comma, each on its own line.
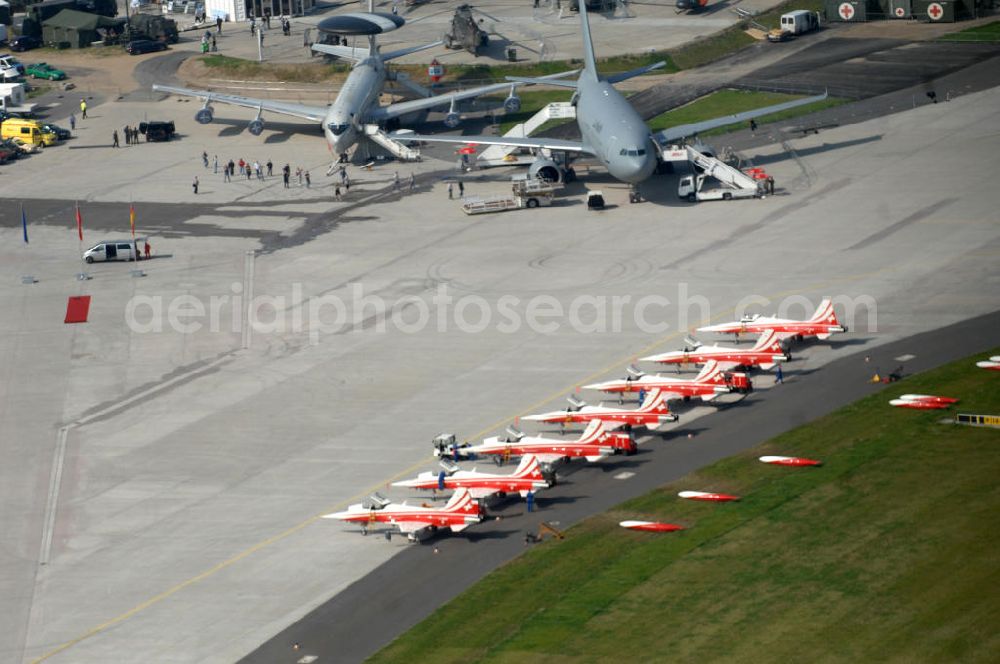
(465,31)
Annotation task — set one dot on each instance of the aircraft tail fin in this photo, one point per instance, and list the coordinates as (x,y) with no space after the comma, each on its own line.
(589,61)
(824,312)
(654,401)
(595,429)
(461,501)
(528,467)
(710,373)
(769,341)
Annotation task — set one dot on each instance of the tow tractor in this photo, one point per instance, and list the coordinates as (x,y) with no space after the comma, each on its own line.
(525,193)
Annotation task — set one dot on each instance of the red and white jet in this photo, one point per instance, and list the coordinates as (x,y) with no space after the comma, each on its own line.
(708,384)
(766,353)
(822,324)
(594,444)
(651,414)
(527,477)
(993,364)
(459,513)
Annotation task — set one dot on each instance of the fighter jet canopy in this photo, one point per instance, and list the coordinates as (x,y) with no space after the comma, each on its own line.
(360,23)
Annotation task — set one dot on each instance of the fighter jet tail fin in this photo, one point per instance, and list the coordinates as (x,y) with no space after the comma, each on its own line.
(589,61)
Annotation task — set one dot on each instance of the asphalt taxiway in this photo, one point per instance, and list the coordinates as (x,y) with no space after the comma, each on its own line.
(376,609)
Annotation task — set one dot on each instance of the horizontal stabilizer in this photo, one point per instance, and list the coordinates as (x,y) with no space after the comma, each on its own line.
(391,55)
(345,52)
(542,81)
(674,134)
(625,75)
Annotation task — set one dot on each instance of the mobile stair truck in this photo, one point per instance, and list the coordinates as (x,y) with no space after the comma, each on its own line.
(735,183)
(526,192)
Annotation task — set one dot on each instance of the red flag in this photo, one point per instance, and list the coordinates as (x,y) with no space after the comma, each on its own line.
(131,218)
(79,222)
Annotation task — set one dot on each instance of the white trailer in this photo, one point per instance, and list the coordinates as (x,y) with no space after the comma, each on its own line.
(525,193)
(12,98)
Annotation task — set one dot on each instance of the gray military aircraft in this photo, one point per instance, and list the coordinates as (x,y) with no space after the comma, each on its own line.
(611,129)
(356,105)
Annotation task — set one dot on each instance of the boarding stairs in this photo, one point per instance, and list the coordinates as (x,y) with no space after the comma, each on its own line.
(503,155)
(721,171)
(394,147)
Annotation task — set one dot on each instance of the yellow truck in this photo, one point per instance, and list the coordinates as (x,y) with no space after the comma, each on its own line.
(30,131)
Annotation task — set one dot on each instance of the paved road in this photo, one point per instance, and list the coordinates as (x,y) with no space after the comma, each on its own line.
(376,609)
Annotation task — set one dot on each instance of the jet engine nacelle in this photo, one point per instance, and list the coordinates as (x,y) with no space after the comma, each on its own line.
(452,120)
(547,170)
(204,115)
(256,127)
(512,104)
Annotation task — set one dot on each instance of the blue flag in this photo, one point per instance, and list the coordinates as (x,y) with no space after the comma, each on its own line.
(24,224)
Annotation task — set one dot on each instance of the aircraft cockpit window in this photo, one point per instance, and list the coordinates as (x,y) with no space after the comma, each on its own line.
(337,129)
(631,153)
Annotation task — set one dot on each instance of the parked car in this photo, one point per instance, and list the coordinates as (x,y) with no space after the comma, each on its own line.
(8,153)
(113,250)
(44,70)
(25,43)
(24,146)
(139,46)
(157,131)
(11,67)
(61,133)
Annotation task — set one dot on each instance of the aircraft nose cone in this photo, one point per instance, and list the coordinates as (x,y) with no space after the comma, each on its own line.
(636,169)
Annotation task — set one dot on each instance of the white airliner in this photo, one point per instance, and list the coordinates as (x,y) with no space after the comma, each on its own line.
(611,129)
(356,104)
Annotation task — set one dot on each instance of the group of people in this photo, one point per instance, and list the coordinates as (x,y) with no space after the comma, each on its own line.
(130,133)
(252,169)
(265,24)
(208,43)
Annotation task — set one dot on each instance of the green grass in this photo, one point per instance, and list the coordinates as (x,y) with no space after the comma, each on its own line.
(989,32)
(728,102)
(313,72)
(886,552)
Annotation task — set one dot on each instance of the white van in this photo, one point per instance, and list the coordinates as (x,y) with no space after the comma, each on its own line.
(113,250)
(799,22)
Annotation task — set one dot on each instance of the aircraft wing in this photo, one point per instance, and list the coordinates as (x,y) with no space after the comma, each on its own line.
(314,113)
(539,142)
(404,107)
(674,134)
(407,527)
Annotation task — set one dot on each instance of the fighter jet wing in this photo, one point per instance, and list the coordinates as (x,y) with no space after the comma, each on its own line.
(314,113)
(539,142)
(673,134)
(407,527)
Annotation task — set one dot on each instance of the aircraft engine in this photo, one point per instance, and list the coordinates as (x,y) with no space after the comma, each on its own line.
(546,169)
(512,104)
(452,120)
(256,127)
(204,115)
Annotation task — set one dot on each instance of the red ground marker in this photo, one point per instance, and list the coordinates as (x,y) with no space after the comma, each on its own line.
(77,309)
